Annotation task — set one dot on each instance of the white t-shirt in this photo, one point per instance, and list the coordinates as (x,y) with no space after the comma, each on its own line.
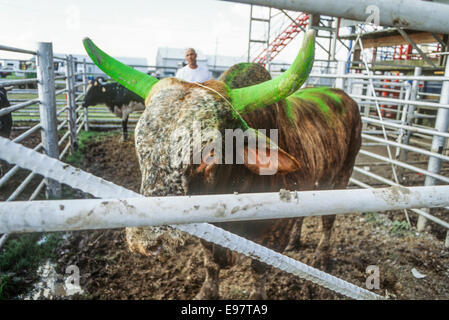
(200,74)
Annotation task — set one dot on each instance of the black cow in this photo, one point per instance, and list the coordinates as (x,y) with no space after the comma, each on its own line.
(116,97)
(5,120)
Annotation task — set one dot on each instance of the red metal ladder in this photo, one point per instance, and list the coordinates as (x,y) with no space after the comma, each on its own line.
(283,39)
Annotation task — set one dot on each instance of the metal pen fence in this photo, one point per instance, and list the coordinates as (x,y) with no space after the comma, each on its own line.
(401,122)
(52,114)
(392,132)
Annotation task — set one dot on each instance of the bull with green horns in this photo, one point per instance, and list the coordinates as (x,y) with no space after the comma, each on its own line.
(318,138)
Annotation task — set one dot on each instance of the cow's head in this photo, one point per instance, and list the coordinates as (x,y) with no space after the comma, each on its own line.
(177,110)
(95,92)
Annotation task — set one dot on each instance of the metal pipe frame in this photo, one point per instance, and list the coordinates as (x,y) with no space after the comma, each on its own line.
(27,133)
(379,77)
(6,83)
(397,101)
(405,165)
(47,107)
(438,221)
(438,143)
(71,215)
(18,106)
(12,49)
(393,12)
(407,147)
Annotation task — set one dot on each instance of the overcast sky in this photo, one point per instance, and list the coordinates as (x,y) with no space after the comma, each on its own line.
(131,28)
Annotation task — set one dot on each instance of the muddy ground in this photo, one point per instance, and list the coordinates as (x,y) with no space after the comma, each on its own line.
(109,271)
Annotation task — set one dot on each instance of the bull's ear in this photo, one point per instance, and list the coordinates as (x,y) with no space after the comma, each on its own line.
(266,161)
(268,158)
(103,89)
(96,83)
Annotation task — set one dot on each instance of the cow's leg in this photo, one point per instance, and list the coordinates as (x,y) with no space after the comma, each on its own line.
(209,289)
(258,272)
(295,236)
(125,111)
(322,251)
(125,128)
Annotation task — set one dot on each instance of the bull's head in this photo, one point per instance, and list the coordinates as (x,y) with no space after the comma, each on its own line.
(176,107)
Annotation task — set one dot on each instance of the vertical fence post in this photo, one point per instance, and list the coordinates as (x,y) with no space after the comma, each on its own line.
(400,138)
(410,114)
(74,104)
(47,109)
(71,118)
(86,114)
(441,125)
(341,70)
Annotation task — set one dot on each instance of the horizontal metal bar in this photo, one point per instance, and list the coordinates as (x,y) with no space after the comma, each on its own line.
(106,126)
(404,165)
(428,94)
(27,133)
(37,190)
(21,187)
(6,83)
(12,49)
(70,215)
(66,148)
(397,101)
(407,147)
(64,137)
(378,77)
(22,91)
(409,128)
(438,221)
(62,110)
(62,124)
(111,120)
(18,106)
(382,83)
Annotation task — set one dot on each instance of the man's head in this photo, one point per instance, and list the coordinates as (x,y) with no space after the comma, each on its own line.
(191,58)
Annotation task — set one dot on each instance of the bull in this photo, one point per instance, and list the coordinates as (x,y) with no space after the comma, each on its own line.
(319,136)
(5,120)
(119,100)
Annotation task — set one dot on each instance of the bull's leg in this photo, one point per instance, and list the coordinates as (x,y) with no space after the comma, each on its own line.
(209,289)
(322,251)
(295,236)
(258,272)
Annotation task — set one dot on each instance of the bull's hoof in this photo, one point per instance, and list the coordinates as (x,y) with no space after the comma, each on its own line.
(258,295)
(124,139)
(207,294)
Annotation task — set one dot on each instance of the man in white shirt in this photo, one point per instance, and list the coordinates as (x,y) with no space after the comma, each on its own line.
(192,72)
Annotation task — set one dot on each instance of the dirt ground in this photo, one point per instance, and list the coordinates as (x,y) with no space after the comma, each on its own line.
(109,271)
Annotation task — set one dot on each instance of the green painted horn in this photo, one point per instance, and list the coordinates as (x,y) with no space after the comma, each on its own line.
(260,95)
(136,81)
